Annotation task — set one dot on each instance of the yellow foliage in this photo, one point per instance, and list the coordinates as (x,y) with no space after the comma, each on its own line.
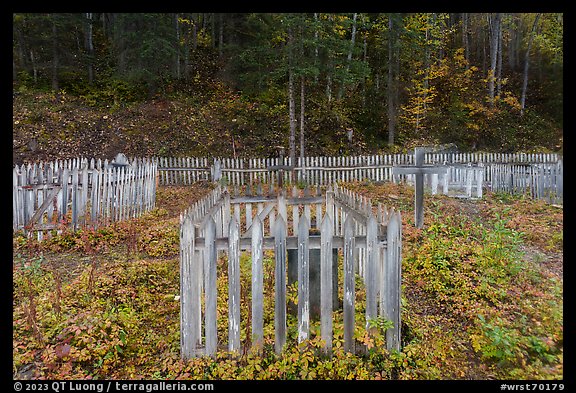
(473,126)
(511,100)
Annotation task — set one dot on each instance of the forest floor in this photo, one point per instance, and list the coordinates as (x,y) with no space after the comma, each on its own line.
(49,127)
(482,298)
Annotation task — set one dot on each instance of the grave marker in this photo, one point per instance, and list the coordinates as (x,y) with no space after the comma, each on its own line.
(418,170)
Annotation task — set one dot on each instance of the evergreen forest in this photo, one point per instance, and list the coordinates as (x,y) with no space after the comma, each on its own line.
(192,84)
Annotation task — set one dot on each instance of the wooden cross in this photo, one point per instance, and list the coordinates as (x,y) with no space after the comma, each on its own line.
(419,170)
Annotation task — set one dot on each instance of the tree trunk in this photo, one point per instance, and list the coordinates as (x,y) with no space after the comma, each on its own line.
(302,151)
(499,62)
(435,22)
(55,84)
(190,35)
(177,47)
(365,60)
(316,49)
(329,87)
(349,58)
(302,87)
(21,49)
(539,56)
(511,43)
(291,101)
(465,43)
(517,42)
(213,30)
(391,82)
(119,39)
(526,65)
(329,67)
(352,41)
(90,47)
(194,34)
(34,68)
(220,34)
(495,26)
(426,83)
(482,33)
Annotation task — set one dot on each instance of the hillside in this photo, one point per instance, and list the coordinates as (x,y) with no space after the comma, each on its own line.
(222,123)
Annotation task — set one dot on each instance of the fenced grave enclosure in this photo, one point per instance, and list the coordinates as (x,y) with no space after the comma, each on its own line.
(541,181)
(305,230)
(500,172)
(459,181)
(80,192)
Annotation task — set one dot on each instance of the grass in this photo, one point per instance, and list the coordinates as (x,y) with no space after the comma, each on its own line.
(482,299)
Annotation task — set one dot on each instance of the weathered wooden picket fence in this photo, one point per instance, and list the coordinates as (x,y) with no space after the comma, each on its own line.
(467,173)
(80,192)
(183,170)
(369,237)
(542,181)
(460,180)
(323,170)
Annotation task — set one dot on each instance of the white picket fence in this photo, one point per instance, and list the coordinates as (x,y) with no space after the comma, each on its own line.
(369,236)
(460,181)
(183,170)
(323,170)
(468,173)
(540,181)
(80,192)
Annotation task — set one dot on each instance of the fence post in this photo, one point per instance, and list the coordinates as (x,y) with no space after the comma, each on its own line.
(63,208)
(303,280)
(371,267)
(280,285)
(234,286)
(189,290)
(469,171)
(326,281)
(84,194)
(210,287)
(479,180)
(392,280)
(560,184)
(16,201)
(349,287)
(257,285)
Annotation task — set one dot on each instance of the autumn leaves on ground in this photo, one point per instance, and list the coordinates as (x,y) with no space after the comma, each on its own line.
(482,298)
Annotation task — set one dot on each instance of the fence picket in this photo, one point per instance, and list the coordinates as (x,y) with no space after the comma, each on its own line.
(372,276)
(326,282)
(234,286)
(280,285)
(63,205)
(189,301)
(210,287)
(349,287)
(303,280)
(392,284)
(257,284)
